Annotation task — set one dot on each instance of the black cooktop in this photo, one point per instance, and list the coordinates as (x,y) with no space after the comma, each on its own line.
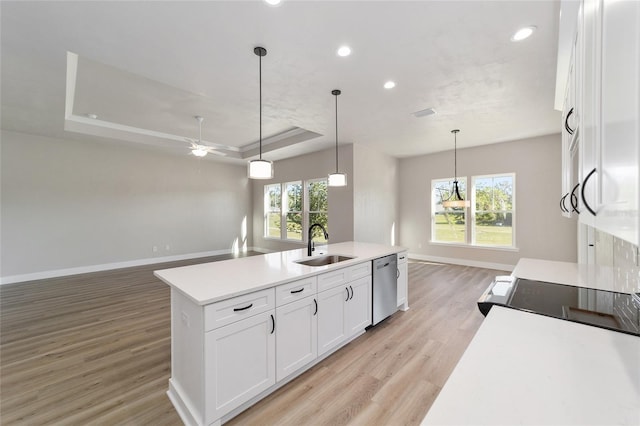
(600,308)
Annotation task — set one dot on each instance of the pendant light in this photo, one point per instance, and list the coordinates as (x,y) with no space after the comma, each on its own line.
(337,178)
(455,199)
(260,169)
(198,149)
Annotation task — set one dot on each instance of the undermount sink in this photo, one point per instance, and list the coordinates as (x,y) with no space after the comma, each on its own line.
(323,260)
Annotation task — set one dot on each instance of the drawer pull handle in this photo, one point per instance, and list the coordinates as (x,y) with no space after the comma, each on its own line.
(273,324)
(316,302)
(574,199)
(566,122)
(584,185)
(297,291)
(243,309)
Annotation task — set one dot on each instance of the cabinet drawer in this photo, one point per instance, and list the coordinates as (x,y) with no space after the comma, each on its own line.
(237,308)
(290,292)
(333,279)
(359,271)
(402,257)
(342,276)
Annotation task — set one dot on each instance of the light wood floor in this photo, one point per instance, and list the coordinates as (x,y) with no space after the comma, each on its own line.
(95,349)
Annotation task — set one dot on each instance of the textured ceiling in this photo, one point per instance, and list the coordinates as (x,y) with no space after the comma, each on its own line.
(149,67)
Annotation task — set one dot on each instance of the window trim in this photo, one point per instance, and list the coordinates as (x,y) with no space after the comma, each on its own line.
(283,212)
(470,215)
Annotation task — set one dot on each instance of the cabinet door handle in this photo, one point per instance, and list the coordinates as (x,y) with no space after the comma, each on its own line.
(351,292)
(273,324)
(398,273)
(347,299)
(562,207)
(584,184)
(566,122)
(243,309)
(297,291)
(316,302)
(574,199)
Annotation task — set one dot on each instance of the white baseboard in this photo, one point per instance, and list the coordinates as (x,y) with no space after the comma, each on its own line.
(11,279)
(464,262)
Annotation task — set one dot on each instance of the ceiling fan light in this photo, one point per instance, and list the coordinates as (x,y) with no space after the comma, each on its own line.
(260,169)
(337,179)
(199,151)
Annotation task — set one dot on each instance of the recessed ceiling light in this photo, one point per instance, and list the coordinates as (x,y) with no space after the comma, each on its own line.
(424,112)
(389,84)
(92,116)
(344,51)
(523,33)
(273,2)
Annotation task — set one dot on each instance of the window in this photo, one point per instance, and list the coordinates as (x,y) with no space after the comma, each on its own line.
(272,203)
(289,209)
(293,209)
(318,207)
(448,224)
(494,196)
(490,219)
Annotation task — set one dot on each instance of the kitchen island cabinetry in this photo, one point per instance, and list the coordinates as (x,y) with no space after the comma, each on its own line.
(242,328)
(403,280)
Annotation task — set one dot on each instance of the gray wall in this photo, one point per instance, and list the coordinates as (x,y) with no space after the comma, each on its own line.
(310,166)
(375,197)
(70,203)
(540,230)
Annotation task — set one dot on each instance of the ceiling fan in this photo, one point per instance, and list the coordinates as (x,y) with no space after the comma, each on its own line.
(197,147)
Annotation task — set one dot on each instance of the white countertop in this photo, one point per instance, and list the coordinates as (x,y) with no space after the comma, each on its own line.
(593,276)
(528,369)
(210,282)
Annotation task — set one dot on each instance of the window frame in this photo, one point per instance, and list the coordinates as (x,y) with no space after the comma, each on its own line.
(470,215)
(474,210)
(284,199)
(461,179)
(267,210)
(284,234)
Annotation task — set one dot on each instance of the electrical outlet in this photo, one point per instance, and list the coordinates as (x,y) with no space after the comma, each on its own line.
(167,247)
(154,249)
(419,245)
(185,319)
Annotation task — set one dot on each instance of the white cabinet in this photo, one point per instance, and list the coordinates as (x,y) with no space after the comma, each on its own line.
(239,363)
(608,90)
(358,306)
(620,120)
(296,335)
(332,317)
(403,280)
(343,312)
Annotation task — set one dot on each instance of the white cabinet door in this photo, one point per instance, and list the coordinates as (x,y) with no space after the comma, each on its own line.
(403,282)
(618,212)
(239,363)
(358,306)
(296,336)
(332,318)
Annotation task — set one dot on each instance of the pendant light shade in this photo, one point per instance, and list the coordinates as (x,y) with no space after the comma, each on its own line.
(260,169)
(337,178)
(455,199)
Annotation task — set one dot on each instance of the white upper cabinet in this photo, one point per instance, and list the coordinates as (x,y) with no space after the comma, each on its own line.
(618,212)
(607,65)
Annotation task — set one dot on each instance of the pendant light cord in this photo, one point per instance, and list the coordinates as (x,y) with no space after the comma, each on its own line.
(260,89)
(455,157)
(336,133)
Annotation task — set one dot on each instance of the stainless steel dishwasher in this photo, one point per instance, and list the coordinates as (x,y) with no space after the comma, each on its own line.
(385,288)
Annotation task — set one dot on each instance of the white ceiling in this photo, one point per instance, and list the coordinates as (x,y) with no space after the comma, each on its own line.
(146,68)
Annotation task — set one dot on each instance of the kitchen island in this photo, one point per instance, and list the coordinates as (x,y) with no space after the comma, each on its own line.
(242,328)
